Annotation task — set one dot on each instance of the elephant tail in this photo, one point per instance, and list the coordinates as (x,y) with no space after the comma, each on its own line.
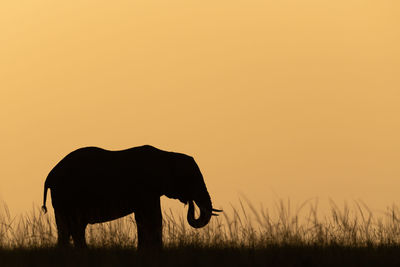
(46,187)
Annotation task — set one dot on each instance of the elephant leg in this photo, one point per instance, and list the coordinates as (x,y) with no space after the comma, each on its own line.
(149,225)
(78,234)
(63,230)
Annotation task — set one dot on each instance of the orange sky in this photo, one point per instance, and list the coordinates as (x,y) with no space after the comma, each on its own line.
(292,98)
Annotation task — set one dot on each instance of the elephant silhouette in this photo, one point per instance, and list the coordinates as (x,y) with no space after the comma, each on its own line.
(93,185)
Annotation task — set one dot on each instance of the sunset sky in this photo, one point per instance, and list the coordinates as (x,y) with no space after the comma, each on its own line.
(274,99)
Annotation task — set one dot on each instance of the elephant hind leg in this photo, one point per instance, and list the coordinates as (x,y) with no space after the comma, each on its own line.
(78,234)
(63,229)
(149,225)
(68,224)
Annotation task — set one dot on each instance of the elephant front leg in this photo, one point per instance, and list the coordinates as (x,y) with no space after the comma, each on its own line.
(149,225)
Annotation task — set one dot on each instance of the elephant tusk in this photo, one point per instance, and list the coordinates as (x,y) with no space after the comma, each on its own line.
(217,210)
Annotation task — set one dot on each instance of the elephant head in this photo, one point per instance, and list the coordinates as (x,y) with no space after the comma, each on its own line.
(189,188)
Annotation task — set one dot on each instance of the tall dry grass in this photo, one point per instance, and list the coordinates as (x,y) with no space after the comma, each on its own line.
(243,226)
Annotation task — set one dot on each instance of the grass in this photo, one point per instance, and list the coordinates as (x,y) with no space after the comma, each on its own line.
(351,235)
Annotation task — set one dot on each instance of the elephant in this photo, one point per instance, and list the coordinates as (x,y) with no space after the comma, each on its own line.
(93,185)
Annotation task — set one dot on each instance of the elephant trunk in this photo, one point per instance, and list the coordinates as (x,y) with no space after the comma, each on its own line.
(205,214)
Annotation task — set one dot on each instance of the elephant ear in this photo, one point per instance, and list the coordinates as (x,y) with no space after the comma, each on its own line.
(175,183)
